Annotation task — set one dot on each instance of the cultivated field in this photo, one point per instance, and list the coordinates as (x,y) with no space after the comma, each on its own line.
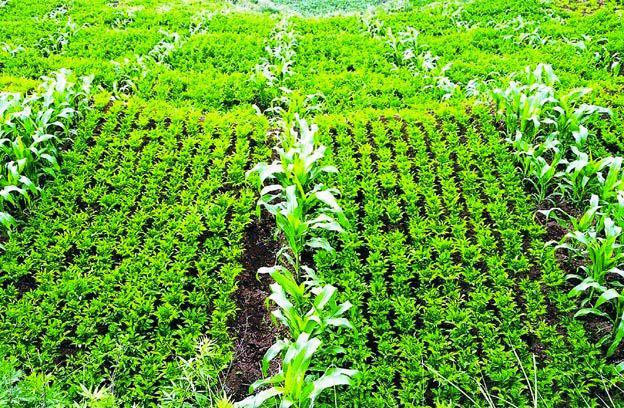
(341,203)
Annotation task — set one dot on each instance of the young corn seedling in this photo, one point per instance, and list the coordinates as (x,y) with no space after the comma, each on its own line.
(307,307)
(161,52)
(600,246)
(298,165)
(581,175)
(294,385)
(56,42)
(276,68)
(607,296)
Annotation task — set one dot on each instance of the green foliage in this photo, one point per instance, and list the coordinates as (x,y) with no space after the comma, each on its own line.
(56,42)
(131,254)
(32,128)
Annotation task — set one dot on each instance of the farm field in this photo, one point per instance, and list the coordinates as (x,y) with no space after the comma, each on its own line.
(340,203)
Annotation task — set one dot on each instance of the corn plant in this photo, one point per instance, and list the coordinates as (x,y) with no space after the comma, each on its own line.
(610,61)
(293,220)
(55,43)
(569,119)
(302,206)
(199,22)
(285,110)
(11,49)
(161,52)
(128,73)
(372,25)
(612,183)
(600,245)
(527,153)
(122,19)
(581,175)
(57,12)
(306,307)
(524,108)
(591,218)
(294,385)
(531,38)
(31,130)
(607,296)
(544,176)
(277,66)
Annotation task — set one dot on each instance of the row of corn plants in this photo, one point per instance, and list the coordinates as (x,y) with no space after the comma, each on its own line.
(33,127)
(407,50)
(305,211)
(549,131)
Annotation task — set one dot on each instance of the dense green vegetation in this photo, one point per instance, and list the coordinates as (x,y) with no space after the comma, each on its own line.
(421,262)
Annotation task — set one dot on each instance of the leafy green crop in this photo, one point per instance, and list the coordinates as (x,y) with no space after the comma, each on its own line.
(132,244)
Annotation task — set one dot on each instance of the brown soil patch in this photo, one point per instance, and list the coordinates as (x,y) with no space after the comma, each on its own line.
(252,327)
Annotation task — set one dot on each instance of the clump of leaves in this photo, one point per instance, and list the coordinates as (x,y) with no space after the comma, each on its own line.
(56,42)
(276,67)
(128,73)
(161,52)
(32,128)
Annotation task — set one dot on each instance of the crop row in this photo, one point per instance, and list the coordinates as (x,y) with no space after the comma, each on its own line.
(444,266)
(547,130)
(206,69)
(33,127)
(133,252)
